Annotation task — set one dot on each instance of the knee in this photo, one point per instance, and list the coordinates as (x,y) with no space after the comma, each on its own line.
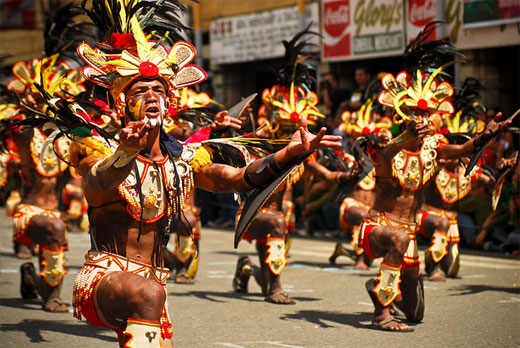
(148,299)
(55,232)
(278,227)
(442,224)
(400,241)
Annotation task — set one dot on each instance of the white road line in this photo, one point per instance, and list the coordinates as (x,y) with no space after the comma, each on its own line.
(512,299)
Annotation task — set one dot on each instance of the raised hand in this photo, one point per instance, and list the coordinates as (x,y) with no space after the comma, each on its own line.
(303,141)
(418,127)
(494,127)
(222,120)
(135,134)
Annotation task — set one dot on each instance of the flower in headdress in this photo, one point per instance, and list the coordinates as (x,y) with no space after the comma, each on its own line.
(365,121)
(406,93)
(148,59)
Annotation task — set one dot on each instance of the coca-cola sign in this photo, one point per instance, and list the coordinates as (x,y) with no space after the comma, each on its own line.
(421,12)
(336,21)
(336,17)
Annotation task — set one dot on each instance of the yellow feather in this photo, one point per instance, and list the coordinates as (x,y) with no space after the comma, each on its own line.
(143,48)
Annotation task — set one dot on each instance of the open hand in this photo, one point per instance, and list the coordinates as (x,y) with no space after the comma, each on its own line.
(495,126)
(303,141)
(222,120)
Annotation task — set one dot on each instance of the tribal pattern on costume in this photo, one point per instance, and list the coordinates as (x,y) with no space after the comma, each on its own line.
(453,187)
(153,183)
(414,169)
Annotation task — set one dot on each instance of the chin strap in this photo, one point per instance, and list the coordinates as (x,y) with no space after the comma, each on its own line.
(52,266)
(439,245)
(387,287)
(143,334)
(276,259)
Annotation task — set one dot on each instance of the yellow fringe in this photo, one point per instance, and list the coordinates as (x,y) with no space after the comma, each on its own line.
(87,146)
(203,156)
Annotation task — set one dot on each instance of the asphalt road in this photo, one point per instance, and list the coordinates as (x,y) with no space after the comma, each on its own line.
(480,309)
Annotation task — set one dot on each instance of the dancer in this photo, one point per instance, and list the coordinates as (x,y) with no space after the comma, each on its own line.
(136,188)
(37,220)
(403,167)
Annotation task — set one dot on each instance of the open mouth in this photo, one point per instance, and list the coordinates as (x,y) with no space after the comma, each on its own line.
(152,111)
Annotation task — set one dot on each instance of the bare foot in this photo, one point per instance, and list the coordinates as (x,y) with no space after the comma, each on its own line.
(183,278)
(391,324)
(280,297)
(436,276)
(361,265)
(55,305)
(23,251)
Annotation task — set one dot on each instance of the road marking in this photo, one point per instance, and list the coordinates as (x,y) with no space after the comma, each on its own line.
(9,270)
(473,276)
(366,304)
(218,263)
(230,345)
(512,299)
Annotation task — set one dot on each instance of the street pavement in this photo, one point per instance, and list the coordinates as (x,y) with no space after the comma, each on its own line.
(480,309)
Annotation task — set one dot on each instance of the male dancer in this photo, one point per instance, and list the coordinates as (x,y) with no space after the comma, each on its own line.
(37,220)
(122,284)
(403,167)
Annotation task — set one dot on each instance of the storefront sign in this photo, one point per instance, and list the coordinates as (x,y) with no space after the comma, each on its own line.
(17,14)
(418,14)
(485,37)
(485,13)
(355,29)
(258,35)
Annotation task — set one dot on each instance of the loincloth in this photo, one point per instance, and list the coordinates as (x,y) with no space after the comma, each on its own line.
(375,218)
(100,263)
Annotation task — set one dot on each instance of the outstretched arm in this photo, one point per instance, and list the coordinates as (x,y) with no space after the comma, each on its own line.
(463,150)
(223,178)
(337,177)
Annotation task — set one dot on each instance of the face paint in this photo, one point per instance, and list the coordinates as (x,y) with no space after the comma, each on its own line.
(134,106)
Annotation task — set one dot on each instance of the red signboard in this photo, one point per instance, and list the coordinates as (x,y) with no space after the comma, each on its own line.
(336,20)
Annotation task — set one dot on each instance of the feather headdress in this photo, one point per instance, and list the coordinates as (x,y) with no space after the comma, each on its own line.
(420,87)
(289,100)
(129,55)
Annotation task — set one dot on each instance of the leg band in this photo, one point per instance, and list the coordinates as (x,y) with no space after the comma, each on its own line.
(143,334)
(439,245)
(276,259)
(355,238)
(52,266)
(387,287)
(184,248)
(75,209)
(453,269)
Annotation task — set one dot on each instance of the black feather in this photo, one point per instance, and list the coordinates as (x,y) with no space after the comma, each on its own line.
(423,54)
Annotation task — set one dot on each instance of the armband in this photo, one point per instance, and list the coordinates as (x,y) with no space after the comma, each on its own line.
(266,171)
(119,158)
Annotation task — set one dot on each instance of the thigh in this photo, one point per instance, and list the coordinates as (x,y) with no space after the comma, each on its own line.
(355,215)
(267,224)
(120,295)
(46,229)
